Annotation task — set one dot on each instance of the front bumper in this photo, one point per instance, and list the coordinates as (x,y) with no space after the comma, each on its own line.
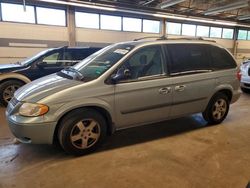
(32,133)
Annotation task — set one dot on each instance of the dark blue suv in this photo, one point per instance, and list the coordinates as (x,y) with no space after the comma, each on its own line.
(13,76)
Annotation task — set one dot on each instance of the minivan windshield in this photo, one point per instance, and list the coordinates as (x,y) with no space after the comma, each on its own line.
(96,64)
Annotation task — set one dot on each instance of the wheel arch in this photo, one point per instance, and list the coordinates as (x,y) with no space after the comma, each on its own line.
(10,79)
(101,110)
(14,76)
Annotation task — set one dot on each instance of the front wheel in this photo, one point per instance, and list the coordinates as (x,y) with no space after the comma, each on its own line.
(217,109)
(7,90)
(81,131)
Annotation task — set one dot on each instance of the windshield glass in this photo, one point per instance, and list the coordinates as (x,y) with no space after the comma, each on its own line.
(95,65)
(31,59)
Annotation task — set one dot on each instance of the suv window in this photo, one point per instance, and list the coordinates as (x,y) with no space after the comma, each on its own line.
(76,55)
(145,62)
(188,57)
(221,59)
(51,60)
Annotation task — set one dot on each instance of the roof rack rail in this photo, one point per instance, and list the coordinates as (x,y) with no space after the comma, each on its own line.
(152,37)
(163,37)
(191,38)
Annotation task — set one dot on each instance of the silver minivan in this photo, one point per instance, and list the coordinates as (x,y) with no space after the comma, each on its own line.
(125,85)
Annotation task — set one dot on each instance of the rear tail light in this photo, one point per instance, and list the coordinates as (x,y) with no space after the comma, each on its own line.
(238,75)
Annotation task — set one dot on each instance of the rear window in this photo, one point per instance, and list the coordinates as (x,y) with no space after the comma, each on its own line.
(221,59)
(188,57)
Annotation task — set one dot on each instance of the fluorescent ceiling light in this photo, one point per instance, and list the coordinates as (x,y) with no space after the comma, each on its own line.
(232,6)
(92,6)
(169,3)
(245,17)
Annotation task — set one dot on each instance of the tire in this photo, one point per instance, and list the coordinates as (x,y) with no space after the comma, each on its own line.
(217,109)
(245,90)
(7,90)
(82,131)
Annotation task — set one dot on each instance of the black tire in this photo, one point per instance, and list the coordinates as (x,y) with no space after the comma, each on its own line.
(82,131)
(7,90)
(245,90)
(215,115)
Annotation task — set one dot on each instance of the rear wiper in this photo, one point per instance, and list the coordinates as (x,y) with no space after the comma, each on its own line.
(79,75)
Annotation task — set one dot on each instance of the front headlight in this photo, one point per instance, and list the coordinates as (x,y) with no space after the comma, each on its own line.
(33,109)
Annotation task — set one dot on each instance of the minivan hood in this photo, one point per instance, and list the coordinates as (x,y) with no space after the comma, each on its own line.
(10,67)
(44,87)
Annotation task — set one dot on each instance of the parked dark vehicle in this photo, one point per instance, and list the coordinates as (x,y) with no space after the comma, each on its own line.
(13,76)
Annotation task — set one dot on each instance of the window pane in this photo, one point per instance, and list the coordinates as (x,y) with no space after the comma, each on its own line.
(151,26)
(16,13)
(188,29)
(227,33)
(145,62)
(132,24)
(242,35)
(51,16)
(87,20)
(248,35)
(202,31)
(111,22)
(188,57)
(173,28)
(221,58)
(215,32)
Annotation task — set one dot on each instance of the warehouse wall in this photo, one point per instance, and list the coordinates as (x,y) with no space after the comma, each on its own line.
(19,41)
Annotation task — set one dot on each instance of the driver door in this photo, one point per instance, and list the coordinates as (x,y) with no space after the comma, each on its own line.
(146,96)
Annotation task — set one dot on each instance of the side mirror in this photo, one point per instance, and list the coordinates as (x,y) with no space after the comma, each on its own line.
(120,75)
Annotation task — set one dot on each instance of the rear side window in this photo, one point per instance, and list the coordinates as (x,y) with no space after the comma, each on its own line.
(188,57)
(221,59)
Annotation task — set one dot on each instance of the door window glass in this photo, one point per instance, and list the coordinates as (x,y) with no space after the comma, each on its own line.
(188,57)
(51,60)
(145,62)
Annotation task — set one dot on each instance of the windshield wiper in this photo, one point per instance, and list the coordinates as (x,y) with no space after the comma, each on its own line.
(78,76)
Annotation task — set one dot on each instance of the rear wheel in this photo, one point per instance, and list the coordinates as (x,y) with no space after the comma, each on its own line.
(7,90)
(217,109)
(82,131)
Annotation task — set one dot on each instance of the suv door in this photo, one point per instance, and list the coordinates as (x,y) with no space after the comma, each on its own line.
(192,78)
(145,96)
(47,64)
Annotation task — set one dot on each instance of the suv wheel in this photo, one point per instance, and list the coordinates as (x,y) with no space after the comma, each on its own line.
(81,131)
(7,90)
(217,109)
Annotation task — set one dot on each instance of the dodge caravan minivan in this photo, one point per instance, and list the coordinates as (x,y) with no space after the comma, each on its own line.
(125,85)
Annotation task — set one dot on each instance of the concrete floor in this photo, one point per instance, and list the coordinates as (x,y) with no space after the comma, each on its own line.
(178,153)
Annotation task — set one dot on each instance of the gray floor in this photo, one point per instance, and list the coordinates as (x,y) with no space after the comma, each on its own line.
(177,153)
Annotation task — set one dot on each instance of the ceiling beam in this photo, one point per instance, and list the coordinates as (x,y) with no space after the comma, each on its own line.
(244,17)
(232,6)
(169,3)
